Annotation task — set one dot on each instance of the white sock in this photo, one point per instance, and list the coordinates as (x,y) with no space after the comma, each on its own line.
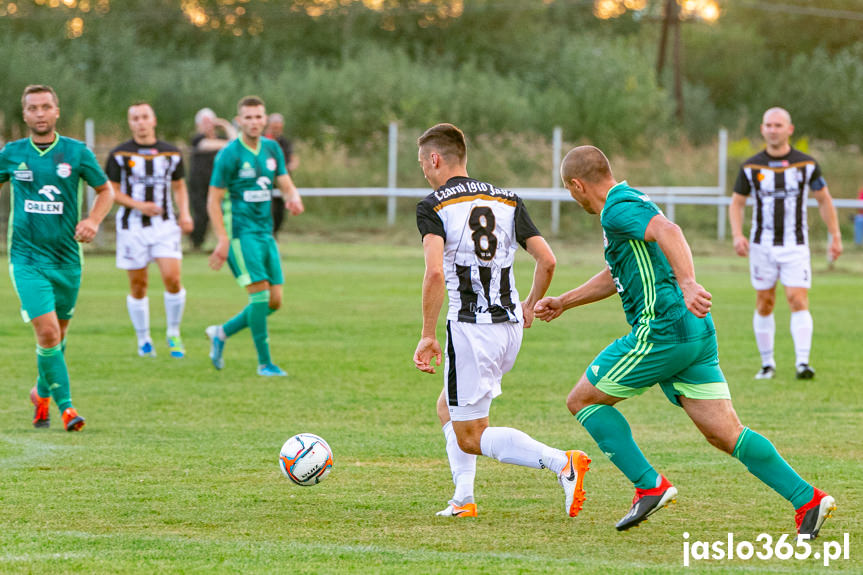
(765,332)
(174,305)
(801,333)
(509,445)
(139,313)
(462,465)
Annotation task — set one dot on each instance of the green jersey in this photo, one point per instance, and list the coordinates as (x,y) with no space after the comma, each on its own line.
(249,176)
(47,192)
(651,297)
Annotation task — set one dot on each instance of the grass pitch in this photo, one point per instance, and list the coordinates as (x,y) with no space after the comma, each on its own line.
(176,471)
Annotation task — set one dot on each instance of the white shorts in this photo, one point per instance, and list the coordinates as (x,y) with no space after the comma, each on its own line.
(137,247)
(477,356)
(789,264)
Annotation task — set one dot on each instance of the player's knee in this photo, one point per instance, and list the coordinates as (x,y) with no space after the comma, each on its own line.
(722,440)
(138,289)
(798,302)
(173,284)
(469,443)
(48,336)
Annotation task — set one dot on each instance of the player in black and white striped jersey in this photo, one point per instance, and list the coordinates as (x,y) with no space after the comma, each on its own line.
(145,172)
(780,178)
(471,231)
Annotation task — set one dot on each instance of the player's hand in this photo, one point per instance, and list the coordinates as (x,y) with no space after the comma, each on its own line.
(698,299)
(741,246)
(835,248)
(295,206)
(86,230)
(548,308)
(219,255)
(186,224)
(428,348)
(150,209)
(527,312)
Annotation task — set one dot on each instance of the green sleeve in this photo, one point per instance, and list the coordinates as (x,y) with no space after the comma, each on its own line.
(221,177)
(91,171)
(629,218)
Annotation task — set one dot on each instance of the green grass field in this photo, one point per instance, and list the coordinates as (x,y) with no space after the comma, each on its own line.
(176,471)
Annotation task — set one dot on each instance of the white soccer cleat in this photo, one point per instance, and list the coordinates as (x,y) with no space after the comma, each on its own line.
(767,372)
(571,478)
(147,349)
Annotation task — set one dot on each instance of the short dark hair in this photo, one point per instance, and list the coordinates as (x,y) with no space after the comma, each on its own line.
(141,103)
(39,89)
(249,101)
(446,139)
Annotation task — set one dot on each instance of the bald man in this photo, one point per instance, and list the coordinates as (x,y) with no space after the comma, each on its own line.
(780,179)
(672,343)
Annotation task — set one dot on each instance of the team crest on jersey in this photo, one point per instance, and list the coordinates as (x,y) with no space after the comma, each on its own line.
(271,164)
(247,171)
(23,173)
(64,170)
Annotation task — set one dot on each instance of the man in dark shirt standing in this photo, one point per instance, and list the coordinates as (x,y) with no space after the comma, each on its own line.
(276,131)
(204,145)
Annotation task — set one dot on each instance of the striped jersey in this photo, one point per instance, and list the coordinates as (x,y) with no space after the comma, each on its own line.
(781,187)
(482,227)
(144,173)
(47,193)
(651,297)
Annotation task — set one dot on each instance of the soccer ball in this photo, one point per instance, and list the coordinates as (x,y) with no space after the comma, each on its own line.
(306,459)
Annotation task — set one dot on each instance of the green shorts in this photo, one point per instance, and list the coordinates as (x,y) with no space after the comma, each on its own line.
(628,367)
(254,258)
(43,290)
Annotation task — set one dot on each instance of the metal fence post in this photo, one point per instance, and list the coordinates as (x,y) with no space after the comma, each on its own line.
(722,210)
(557,141)
(392,167)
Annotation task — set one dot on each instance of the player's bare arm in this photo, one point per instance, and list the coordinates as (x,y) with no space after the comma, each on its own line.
(147,208)
(181,198)
(434,290)
(216,144)
(828,214)
(596,288)
(541,252)
(293,201)
(672,242)
(86,229)
(217,220)
(735,217)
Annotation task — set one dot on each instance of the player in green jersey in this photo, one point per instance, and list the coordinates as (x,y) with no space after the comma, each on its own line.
(47,172)
(672,343)
(246,170)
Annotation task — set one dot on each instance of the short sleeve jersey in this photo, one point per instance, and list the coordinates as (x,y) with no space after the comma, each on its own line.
(781,188)
(144,173)
(249,176)
(46,199)
(643,277)
(482,227)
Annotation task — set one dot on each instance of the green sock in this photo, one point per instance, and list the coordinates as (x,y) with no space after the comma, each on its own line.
(42,388)
(53,371)
(763,461)
(257,312)
(609,429)
(239,322)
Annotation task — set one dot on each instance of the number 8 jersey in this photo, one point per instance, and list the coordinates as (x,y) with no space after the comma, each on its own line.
(481,226)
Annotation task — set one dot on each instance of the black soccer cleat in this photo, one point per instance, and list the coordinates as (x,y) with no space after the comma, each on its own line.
(647,502)
(805,371)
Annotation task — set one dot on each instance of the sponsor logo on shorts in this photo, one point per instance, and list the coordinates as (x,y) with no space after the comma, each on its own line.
(34,207)
(64,170)
(594,369)
(256,195)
